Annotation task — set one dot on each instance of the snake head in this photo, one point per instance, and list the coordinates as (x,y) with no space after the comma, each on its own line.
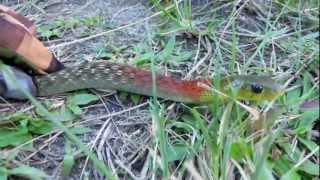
(251,87)
(9,89)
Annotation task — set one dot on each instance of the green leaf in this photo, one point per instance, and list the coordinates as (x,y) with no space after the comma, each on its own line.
(308,143)
(135,98)
(8,155)
(28,172)
(240,150)
(80,130)
(306,121)
(266,173)
(41,112)
(14,136)
(293,96)
(306,82)
(3,173)
(91,21)
(47,33)
(295,156)
(74,108)
(82,99)
(282,165)
(40,126)
(64,114)
(68,160)
(213,147)
(182,57)
(189,120)
(142,59)
(168,49)
(291,175)
(105,55)
(123,95)
(75,100)
(176,152)
(309,167)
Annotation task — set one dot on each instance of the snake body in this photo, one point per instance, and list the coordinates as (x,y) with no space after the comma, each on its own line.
(107,75)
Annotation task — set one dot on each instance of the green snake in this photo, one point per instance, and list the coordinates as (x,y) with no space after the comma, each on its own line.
(107,75)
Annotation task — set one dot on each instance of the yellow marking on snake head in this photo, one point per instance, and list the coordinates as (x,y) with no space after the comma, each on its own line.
(248,87)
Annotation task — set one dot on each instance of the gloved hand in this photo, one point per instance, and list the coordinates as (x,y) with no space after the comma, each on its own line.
(9,89)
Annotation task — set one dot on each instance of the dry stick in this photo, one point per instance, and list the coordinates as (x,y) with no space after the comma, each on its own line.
(101,147)
(60,132)
(110,31)
(2,122)
(41,147)
(306,158)
(32,140)
(198,50)
(9,104)
(94,143)
(81,9)
(192,170)
(102,101)
(110,162)
(207,55)
(38,8)
(125,168)
(236,14)
(157,159)
(240,169)
(116,113)
(145,167)
(116,14)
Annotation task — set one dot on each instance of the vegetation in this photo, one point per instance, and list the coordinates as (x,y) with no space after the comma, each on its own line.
(128,136)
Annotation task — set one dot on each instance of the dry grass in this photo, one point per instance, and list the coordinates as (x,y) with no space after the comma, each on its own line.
(224,37)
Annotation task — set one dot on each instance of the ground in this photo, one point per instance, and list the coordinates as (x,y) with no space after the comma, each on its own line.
(190,39)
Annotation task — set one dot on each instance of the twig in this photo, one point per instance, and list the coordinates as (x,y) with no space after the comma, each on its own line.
(109,31)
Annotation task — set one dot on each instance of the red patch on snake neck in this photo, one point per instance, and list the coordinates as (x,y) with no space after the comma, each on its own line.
(192,89)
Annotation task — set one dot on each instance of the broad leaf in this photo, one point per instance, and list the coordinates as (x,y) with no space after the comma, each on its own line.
(28,172)
(14,136)
(3,173)
(291,175)
(82,99)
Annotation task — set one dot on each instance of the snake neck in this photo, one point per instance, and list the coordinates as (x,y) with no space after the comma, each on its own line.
(107,75)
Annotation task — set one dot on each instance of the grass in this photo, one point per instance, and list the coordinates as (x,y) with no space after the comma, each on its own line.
(234,140)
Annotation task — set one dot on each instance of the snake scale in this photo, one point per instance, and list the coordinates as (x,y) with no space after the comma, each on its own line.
(108,75)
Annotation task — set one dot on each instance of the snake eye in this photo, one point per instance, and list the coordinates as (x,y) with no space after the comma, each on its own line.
(256,88)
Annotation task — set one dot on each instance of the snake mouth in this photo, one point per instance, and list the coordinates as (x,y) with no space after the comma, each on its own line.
(9,89)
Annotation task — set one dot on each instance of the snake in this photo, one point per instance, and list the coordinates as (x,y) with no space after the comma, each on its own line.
(107,75)
(20,47)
